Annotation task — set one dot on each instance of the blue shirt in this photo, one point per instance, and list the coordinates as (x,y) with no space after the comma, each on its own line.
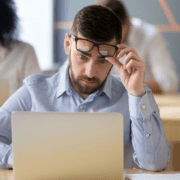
(144,139)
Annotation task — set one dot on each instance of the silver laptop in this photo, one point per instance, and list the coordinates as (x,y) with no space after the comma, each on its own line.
(78,146)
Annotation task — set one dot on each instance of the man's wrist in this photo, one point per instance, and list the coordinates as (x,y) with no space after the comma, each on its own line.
(140,93)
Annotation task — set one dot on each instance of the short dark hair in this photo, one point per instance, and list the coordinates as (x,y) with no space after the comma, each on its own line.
(8,21)
(97,23)
(117,7)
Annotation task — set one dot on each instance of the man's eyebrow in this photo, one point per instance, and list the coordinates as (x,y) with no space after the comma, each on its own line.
(89,54)
(86,53)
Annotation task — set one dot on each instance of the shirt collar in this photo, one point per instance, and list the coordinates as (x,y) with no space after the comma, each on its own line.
(106,88)
(65,86)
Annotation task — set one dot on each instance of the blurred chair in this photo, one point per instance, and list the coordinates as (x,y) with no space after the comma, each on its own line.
(172,133)
(170,116)
(4,91)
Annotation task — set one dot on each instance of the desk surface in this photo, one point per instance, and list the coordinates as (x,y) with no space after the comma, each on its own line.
(167,100)
(8,174)
(170,113)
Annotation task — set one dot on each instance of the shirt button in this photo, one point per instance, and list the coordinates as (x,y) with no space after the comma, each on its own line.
(147,135)
(143,106)
(81,107)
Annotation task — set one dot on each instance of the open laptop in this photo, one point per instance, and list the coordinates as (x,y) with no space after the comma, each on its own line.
(78,146)
(4,91)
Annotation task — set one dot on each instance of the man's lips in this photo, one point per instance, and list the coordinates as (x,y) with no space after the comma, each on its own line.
(86,82)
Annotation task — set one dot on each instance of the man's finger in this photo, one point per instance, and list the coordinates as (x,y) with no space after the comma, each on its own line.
(134,65)
(126,51)
(121,46)
(114,61)
(130,56)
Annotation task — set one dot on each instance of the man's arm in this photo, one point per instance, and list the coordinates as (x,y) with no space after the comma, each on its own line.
(148,139)
(5,140)
(6,158)
(151,148)
(19,101)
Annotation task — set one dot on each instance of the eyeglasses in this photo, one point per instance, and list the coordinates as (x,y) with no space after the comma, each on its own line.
(84,45)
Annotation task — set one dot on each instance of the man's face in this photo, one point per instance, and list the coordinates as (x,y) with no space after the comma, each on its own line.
(88,71)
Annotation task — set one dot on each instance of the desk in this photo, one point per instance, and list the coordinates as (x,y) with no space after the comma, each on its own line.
(8,174)
(170,113)
(167,100)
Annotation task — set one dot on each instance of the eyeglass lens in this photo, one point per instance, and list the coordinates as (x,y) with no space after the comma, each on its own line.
(104,50)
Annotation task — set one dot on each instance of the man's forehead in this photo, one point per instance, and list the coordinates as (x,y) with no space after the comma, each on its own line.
(112,42)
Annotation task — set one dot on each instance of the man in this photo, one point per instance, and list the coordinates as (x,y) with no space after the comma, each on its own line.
(160,74)
(85,85)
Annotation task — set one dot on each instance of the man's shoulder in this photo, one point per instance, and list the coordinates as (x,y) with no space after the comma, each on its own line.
(143,27)
(42,81)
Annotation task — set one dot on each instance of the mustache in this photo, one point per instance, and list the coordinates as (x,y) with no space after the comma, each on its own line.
(92,80)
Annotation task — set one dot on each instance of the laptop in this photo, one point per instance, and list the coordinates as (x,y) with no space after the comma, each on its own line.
(4,91)
(57,145)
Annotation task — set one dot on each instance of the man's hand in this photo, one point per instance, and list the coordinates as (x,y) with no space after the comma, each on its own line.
(131,71)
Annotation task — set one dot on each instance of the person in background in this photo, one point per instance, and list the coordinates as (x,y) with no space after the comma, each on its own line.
(86,85)
(17,59)
(160,74)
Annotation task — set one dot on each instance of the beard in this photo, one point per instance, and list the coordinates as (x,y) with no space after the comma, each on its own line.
(82,88)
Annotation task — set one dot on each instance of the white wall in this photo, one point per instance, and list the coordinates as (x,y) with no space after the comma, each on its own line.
(36,28)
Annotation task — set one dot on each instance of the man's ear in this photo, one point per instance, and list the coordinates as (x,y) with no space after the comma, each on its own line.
(67,43)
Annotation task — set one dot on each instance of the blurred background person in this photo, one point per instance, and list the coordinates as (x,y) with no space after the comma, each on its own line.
(17,59)
(160,74)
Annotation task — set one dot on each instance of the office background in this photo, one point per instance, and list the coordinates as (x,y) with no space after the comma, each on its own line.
(164,14)
(36,27)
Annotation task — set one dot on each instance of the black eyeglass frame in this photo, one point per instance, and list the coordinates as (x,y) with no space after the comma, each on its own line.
(94,45)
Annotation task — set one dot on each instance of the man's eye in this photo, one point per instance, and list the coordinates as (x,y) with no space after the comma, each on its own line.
(82,57)
(103,61)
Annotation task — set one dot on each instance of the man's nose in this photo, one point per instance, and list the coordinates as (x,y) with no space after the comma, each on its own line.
(91,69)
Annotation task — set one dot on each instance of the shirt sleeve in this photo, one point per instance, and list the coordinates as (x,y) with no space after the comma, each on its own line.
(162,65)
(151,148)
(19,101)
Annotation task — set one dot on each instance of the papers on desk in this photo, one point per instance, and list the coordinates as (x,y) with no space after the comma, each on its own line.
(153,176)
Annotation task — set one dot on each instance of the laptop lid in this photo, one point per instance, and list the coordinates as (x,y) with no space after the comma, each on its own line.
(78,146)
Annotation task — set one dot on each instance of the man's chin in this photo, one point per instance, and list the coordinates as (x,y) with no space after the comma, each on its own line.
(86,89)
